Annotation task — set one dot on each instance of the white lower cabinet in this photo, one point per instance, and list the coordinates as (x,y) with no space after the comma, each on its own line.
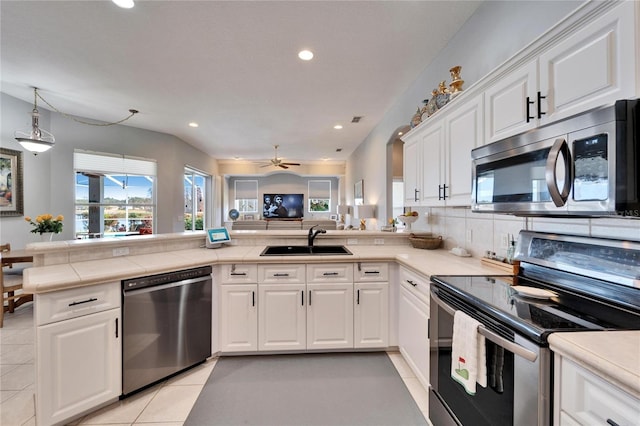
(79,361)
(281,317)
(582,398)
(329,316)
(413,324)
(371,315)
(294,307)
(238,317)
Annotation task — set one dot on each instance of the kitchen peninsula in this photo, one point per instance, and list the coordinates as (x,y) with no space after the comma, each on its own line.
(96,268)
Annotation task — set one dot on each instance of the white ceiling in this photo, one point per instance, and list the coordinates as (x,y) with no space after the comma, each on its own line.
(231,66)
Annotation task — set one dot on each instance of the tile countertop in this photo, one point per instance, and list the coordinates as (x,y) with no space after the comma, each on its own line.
(612,355)
(78,274)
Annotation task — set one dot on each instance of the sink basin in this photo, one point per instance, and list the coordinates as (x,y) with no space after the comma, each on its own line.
(303,250)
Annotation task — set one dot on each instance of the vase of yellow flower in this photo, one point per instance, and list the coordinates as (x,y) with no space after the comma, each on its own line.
(46,225)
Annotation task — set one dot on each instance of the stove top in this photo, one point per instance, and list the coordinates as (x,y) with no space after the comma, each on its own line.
(557,289)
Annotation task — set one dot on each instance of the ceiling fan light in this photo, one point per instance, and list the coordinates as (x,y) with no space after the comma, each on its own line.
(35,139)
(125,4)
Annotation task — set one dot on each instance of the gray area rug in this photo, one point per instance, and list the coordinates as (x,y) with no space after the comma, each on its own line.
(308,389)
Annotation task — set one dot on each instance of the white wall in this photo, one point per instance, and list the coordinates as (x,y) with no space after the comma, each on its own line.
(494,33)
(49,177)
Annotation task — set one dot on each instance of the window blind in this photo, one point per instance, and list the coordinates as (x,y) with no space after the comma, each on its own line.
(113,164)
(246,189)
(320,189)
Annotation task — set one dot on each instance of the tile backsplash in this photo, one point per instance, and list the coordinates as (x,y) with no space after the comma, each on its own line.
(482,232)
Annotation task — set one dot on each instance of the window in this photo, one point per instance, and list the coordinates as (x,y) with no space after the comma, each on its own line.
(246,196)
(319,196)
(195,184)
(115,195)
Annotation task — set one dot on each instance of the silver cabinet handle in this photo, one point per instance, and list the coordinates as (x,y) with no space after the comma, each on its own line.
(560,146)
(490,335)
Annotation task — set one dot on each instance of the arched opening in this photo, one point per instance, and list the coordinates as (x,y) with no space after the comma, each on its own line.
(395,177)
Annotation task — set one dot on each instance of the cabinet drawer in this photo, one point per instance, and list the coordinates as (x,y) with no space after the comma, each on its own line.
(369,272)
(76,302)
(589,399)
(281,273)
(239,273)
(417,282)
(330,272)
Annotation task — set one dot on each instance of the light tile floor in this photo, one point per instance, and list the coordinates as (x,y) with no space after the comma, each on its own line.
(166,404)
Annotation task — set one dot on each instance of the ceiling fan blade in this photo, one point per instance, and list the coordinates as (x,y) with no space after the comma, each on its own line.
(283,166)
(292,164)
(266,165)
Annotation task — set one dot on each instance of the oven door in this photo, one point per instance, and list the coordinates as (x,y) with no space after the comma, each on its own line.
(518,374)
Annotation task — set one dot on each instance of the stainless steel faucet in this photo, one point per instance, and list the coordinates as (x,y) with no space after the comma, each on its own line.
(313,234)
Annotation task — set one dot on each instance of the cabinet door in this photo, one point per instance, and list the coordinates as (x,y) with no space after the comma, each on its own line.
(79,365)
(413,332)
(433,158)
(464,130)
(506,103)
(412,179)
(282,317)
(330,316)
(593,67)
(238,318)
(371,315)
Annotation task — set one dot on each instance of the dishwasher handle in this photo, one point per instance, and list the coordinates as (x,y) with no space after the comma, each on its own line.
(150,289)
(515,348)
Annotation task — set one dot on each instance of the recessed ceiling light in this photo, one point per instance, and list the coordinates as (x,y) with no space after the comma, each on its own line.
(338,126)
(400,133)
(125,4)
(193,124)
(305,55)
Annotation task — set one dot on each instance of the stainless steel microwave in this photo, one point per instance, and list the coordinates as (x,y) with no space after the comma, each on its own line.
(586,165)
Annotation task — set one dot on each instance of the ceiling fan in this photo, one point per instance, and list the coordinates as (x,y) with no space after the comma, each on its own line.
(277,162)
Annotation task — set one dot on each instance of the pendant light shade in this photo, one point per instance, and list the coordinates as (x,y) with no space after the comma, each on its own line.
(35,139)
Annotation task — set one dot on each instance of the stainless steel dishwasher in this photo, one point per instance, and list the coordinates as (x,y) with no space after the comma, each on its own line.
(166,322)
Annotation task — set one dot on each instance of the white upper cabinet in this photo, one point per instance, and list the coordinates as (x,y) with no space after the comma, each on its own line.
(595,66)
(590,67)
(464,132)
(412,161)
(508,103)
(438,156)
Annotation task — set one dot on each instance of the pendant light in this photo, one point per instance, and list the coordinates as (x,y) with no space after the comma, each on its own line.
(35,139)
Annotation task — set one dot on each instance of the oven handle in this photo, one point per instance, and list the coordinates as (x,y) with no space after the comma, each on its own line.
(488,334)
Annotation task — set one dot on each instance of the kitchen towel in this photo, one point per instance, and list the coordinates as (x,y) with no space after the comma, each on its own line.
(468,353)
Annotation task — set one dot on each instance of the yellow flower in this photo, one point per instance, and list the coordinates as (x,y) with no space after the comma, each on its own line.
(46,223)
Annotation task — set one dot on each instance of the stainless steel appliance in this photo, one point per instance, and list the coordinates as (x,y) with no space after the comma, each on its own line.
(166,325)
(587,165)
(594,285)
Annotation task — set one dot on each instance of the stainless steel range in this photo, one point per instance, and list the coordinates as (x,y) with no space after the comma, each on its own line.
(566,283)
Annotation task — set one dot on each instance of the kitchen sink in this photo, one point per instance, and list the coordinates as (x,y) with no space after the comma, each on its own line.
(304,250)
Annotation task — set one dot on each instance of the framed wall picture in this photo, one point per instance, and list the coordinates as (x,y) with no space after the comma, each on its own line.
(358,193)
(11,192)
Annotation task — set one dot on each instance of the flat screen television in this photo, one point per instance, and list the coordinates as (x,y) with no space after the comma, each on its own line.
(282,206)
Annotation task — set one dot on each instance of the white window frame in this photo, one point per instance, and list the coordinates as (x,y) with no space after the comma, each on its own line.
(188,170)
(248,191)
(107,164)
(319,191)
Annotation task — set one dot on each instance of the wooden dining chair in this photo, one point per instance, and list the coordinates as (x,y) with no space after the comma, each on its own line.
(10,286)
